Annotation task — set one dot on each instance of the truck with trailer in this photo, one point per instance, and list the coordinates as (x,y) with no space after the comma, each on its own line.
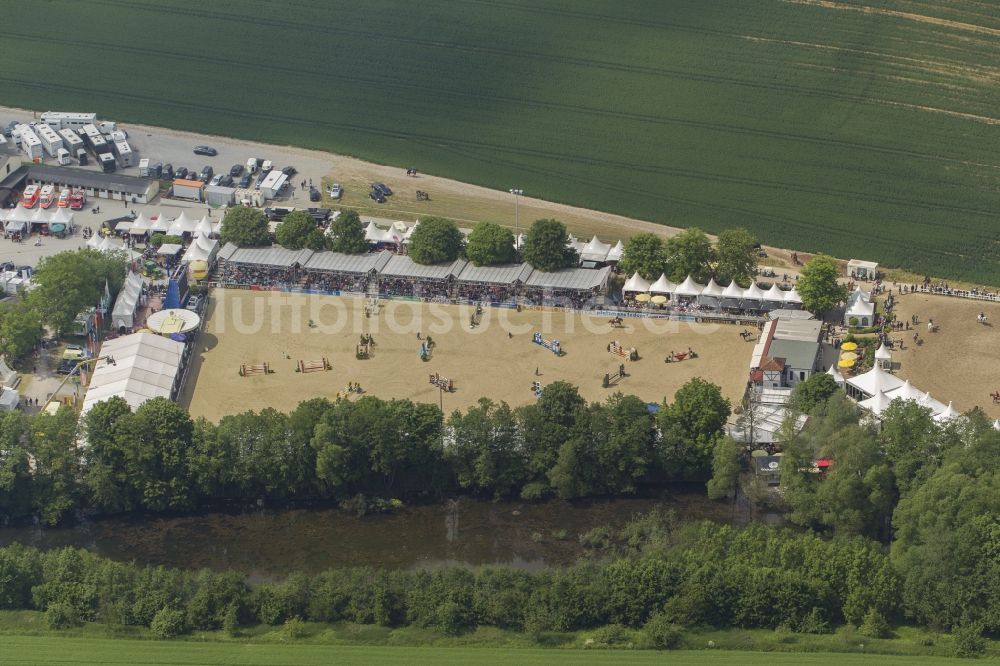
(30,143)
(68,120)
(51,141)
(126,156)
(71,140)
(63,157)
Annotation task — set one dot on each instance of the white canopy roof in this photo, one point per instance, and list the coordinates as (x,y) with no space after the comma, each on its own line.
(908,392)
(615,253)
(140,224)
(636,284)
(875,380)
(127,302)
(860,308)
(713,289)
(19,214)
(376,234)
(930,403)
(40,216)
(948,414)
(662,285)
(595,250)
(837,377)
(858,294)
(883,354)
(689,287)
(753,293)
(146,366)
(792,296)
(733,290)
(62,216)
(204,227)
(775,294)
(184,223)
(877,403)
(202,248)
(159,225)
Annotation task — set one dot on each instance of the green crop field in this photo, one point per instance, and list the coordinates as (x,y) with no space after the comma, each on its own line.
(861,128)
(42,650)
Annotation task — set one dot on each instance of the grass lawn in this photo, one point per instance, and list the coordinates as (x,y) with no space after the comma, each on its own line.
(859,130)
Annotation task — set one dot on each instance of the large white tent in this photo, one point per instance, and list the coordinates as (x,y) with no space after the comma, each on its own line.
(948,414)
(140,225)
(615,253)
(876,404)
(689,288)
(713,290)
(127,303)
(636,285)
(774,295)
(908,392)
(204,227)
(595,251)
(732,295)
(158,226)
(662,286)
(873,381)
(202,248)
(837,377)
(141,366)
(792,296)
(753,293)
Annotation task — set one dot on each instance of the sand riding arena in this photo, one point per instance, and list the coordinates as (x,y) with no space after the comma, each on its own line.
(273,349)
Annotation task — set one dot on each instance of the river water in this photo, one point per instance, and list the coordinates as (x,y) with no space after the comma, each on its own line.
(268,544)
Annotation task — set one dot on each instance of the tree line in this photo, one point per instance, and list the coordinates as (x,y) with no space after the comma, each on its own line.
(156,458)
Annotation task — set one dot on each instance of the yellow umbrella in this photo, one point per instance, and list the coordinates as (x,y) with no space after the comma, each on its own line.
(851,356)
(198,270)
(849,346)
(658,299)
(845,363)
(642,298)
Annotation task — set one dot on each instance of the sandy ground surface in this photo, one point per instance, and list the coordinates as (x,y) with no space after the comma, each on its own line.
(256,327)
(960,363)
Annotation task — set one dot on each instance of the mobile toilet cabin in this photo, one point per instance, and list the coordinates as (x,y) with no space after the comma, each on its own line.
(126,156)
(67,120)
(51,141)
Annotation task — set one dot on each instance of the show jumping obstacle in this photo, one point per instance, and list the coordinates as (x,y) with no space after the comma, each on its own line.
(252,370)
(552,345)
(314,366)
(612,379)
(443,383)
(618,350)
(536,388)
(476,317)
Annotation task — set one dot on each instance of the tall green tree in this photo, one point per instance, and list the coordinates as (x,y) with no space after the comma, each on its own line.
(545,246)
(689,253)
(56,475)
(246,227)
(725,468)
(489,244)
(912,442)
(20,329)
(690,426)
(545,425)
(298,230)
(644,253)
(15,472)
(435,240)
(736,257)
(69,282)
(818,286)
(813,392)
(107,471)
(347,233)
(486,451)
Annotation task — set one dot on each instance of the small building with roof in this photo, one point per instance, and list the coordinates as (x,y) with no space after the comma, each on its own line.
(95,183)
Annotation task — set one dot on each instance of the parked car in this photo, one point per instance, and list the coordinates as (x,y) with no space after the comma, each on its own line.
(216,180)
(383,188)
(376,196)
(167,172)
(73,353)
(289,171)
(194,303)
(336,191)
(67,367)
(314,194)
(206,174)
(245,180)
(181,172)
(205,150)
(226,181)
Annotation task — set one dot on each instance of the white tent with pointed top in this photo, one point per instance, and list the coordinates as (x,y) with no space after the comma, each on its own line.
(875,380)
(713,289)
(774,294)
(40,216)
(63,216)
(732,295)
(204,227)
(94,242)
(662,286)
(615,253)
(877,403)
(202,248)
(753,293)
(948,414)
(689,288)
(636,285)
(792,296)
(837,377)
(185,223)
(996,424)
(595,250)
(858,294)
(883,354)
(936,406)
(158,226)
(908,392)
(140,225)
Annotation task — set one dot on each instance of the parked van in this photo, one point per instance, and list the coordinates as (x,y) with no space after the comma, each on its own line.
(267,166)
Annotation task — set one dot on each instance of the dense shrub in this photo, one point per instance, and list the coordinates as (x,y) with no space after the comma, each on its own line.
(168,623)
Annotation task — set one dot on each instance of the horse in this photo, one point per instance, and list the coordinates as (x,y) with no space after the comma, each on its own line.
(981,318)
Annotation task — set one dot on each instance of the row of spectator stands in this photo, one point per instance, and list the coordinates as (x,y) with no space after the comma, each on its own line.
(268,267)
(490,284)
(570,287)
(401,276)
(336,272)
